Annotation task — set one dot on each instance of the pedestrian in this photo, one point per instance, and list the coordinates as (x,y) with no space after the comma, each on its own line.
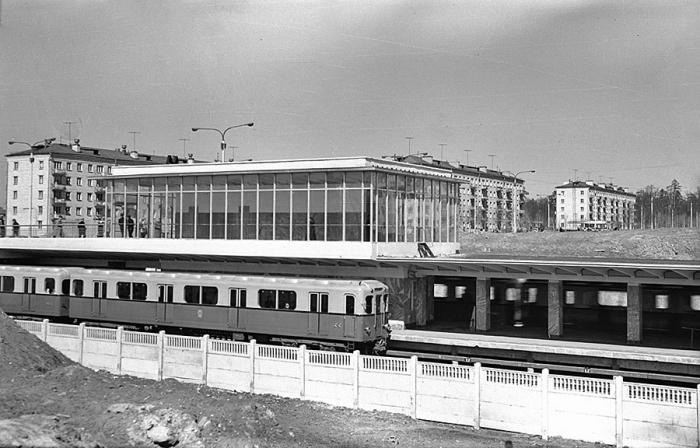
(15,228)
(81,229)
(59,226)
(2,227)
(122,229)
(130,225)
(143,228)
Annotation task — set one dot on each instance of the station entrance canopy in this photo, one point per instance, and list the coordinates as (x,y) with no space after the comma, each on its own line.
(343,207)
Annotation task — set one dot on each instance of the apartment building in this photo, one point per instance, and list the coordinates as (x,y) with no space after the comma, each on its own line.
(586,204)
(56,183)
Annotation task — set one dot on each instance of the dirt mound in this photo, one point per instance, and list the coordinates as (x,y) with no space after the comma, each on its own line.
(40,430)
(22,352)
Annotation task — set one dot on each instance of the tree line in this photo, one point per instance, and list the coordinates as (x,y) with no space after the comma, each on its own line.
(655,207)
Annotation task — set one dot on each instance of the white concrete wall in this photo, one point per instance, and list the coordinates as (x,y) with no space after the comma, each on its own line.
(594,410)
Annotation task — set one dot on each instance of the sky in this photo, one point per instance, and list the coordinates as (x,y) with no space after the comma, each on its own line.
(601,90)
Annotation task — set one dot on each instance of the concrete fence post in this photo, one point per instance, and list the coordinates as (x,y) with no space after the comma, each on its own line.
(477,395)
(251,354)
(120,345)
(355,361)
(545,403)
(161,354)
(301,353)
(619,401)
(413,370)
(81,341)
(205,358)
(45,330)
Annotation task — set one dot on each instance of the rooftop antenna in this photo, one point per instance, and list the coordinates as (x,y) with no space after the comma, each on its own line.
(492,156)
(70,136)
(588,175)
(133,133)
(467,151)
(233,153)
(184,145)
(442,149)
(409,144)
(575,174)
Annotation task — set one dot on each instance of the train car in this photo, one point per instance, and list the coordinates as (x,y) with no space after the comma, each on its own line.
(33,291)
(347,314)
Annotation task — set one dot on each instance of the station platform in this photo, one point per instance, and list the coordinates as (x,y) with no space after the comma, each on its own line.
(548,346)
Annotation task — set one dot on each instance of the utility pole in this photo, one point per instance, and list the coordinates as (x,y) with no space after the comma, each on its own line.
(467,151)
(409,144)
(184,143)
(69,123)
(133,133)
(492,156)
(442,149)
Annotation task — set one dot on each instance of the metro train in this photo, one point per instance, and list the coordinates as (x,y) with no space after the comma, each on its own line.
(321,313)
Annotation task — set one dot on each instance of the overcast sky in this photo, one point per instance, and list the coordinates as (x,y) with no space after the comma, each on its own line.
(608,88)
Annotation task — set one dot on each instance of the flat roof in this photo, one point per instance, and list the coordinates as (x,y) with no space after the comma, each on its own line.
(284,165)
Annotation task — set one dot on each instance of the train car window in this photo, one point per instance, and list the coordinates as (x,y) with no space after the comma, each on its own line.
(313,302)
(287,300)
(8,283)
(191,294)
(99,289)
(140,291)
(65,287)
(386,303)
(349,304)
(266,298)
(232,297)
(49,285)
(368,304)
(237,297)
(318,300)
(124,290)
(78,288)
(165,293)
(324,303)
(210,295)
(242,296)
(30,285)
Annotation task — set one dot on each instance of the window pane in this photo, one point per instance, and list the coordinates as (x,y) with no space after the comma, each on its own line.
(218,203)
(266,298)
(210,295)
(233,181)
(203,217)
(300,180)
(187,215)
(353,179)
(191,294)
(266,181)
(65,286)
(324,303)
(391,215)
(317,180)
(287,300)
(232,295)
(368,304)
(250,214)
(353,215)
(233,215)
(313,302)
(140,291)
(265,215)
(174,183)
(250,182)
(78,288)
(8,284)
(242,295)
(299,210)
(124,290)
(203,183)
(187,183)
(282,180)
(282,214)
(218,182)
(349,304)
(335,215)
(317,218)
(49,285)
(334,179)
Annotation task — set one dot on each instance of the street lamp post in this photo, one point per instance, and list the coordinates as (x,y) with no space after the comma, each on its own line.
(223,136)
(46,142)
(515,180)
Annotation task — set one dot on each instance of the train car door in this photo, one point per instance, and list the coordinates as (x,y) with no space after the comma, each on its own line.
(318,305)
(99,292)
(29,289)
(237,300)
(165,295)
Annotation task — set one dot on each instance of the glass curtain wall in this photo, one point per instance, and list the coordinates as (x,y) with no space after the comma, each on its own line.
(322,206)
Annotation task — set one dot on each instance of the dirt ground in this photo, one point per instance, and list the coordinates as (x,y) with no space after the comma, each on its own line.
(47,400)
(646,244)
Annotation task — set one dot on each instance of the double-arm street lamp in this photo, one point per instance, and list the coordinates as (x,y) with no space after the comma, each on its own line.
(46,142)
(223,136)
(515,180)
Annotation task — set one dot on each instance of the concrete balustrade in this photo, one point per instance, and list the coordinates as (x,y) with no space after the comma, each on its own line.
(609,411)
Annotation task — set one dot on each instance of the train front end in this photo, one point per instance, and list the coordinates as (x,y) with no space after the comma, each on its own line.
(375,320)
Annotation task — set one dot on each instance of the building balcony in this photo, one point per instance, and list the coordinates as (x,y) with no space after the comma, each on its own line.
(58,187)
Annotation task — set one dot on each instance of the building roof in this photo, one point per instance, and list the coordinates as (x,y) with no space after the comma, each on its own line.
(607,188)
(457,168)
(288,165)
(89,154)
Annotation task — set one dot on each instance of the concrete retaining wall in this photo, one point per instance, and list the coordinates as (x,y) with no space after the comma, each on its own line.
(595,410)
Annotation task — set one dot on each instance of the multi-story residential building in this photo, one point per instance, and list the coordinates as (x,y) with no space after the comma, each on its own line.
(580,205)
(486,197)
(52,187)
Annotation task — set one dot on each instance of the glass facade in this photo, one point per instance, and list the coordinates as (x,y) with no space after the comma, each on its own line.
(368,206)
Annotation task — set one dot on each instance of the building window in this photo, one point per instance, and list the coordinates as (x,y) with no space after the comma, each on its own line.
(79,197)
(40,224)
(68,196)
(90,182)
(99,169)
(581,207)
(41,194)
(16,165)
(40,209)
(14,194)
(69,166)
(581,200)
(41,180)
(78,211)
(79,167)
(68,211)
(58,165)
(89,167)
(68,180)
(562,209)
(14,210)
(89,197)
(109,170)
(15,180)
(582,217)
(41,164)
(89,211)
(79,181)
(562,200)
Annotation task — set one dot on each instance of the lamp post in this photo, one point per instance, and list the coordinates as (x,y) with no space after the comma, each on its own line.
(223,136)
(478,181)
(515,180)
(46,142)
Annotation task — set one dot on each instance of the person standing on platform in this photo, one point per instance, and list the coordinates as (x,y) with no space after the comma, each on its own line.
(130,225)
(81,229)
(2,227)
(15,228)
